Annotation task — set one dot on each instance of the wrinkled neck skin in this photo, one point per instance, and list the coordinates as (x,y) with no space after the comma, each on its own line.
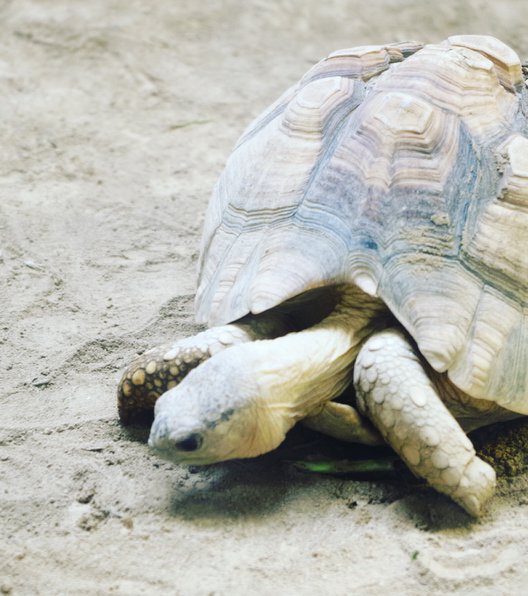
(244,400)
(299,372)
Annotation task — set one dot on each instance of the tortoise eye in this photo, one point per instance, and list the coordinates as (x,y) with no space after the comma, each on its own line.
(191,443)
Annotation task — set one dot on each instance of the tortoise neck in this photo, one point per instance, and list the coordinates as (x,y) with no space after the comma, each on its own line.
(300,371)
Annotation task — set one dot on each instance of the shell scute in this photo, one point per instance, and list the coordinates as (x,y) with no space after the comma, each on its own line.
(461,81)
(402,169)
(363,62)
(505,61)
(501,227)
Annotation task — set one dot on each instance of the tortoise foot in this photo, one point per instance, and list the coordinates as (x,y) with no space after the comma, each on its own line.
(163,367)
(393,389)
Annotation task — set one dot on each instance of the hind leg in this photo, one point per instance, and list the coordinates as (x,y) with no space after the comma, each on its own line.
(394,391)
(342,421)
(163,367)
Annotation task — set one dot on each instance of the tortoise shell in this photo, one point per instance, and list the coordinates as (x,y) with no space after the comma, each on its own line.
(402,169)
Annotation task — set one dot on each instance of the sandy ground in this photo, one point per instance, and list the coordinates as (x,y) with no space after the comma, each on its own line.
(116,118)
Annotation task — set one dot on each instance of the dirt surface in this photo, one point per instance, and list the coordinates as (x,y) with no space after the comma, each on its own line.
(116,119)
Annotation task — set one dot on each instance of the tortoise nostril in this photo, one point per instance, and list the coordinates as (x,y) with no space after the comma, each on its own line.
(190,443)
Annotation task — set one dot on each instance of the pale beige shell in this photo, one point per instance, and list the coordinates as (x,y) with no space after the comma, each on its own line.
(403,169)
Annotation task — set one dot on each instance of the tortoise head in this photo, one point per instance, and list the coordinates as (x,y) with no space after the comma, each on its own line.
(216,413)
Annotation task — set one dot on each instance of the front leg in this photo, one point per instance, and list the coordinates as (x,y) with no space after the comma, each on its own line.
(161,368)
(394,391)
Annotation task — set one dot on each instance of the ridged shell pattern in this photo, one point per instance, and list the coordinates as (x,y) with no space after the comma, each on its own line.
(400,168)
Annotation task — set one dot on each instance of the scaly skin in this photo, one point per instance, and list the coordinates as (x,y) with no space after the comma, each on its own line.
(242,401)
(394,391)
(163,367)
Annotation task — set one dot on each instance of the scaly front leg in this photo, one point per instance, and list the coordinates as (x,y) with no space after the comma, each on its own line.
(394,391)
(163,367)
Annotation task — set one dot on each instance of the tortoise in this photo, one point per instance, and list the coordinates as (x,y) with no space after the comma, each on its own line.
(369,229)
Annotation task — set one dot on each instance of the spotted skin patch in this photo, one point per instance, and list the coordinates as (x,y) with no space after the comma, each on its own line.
(149,376)
(162,368)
